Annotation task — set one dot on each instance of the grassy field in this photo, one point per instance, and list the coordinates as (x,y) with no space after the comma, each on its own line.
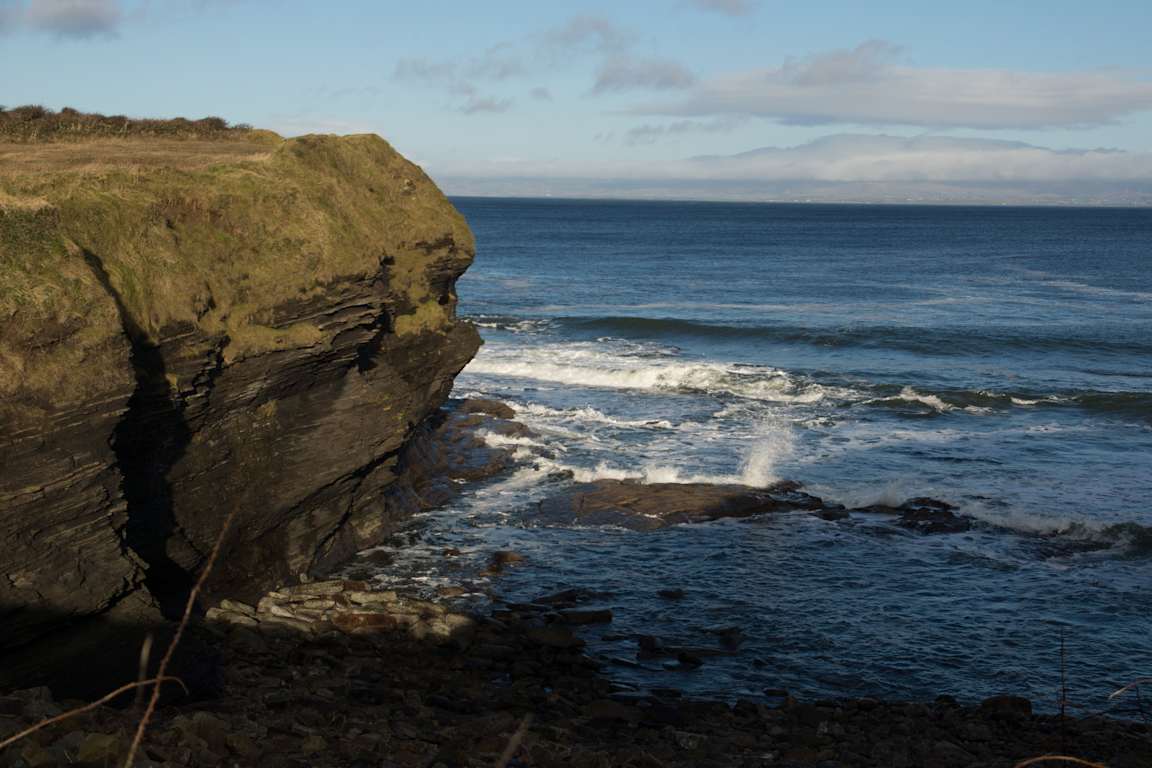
(95,154)
(38,140)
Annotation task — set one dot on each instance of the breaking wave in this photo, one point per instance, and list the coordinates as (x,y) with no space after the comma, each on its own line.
(584,368)
(930,341)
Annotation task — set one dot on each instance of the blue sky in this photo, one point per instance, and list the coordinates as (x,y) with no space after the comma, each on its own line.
(1021,95)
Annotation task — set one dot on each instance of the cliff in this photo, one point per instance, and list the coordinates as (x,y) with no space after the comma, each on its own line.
(190,327)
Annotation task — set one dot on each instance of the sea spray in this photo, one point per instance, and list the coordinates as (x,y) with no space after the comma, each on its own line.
(777,444)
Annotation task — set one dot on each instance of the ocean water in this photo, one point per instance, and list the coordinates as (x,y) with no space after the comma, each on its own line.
(997,358)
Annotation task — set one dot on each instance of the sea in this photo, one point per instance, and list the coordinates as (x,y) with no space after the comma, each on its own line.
(997,358)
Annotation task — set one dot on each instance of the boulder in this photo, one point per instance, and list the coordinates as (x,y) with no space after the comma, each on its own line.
(639,506)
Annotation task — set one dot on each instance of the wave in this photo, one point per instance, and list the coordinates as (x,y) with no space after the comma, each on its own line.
(774,444)
(929,341)
(590,415)
(1130,537)
(909,396)
(1119,403)
(751,382)
(622,364)
(1136,405)
(510,323)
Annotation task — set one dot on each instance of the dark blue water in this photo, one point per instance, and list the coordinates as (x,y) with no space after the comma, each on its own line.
(997,358)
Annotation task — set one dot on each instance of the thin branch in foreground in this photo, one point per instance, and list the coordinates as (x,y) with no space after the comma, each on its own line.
(1058,759)
(156,681)
(145,657)
(514,742)
(1135,684)
(164,662)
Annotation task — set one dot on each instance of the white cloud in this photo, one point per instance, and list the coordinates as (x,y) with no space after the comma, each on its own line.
(625,73)
(499,62)
(579,39)
(729,7)
(477,104)
(458,78)
(650,133)
(595,32)
(842,167)
(74,18)
(865,86)
(880,158)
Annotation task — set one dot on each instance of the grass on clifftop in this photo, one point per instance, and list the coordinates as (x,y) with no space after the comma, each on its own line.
(36,123)
(213,232)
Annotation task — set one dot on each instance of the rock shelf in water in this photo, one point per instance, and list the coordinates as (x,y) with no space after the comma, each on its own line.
(645,507)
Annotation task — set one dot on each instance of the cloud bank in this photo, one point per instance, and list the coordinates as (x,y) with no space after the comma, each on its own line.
(79,19)
(845,167)
(881,158)
(729,7)
(867,86)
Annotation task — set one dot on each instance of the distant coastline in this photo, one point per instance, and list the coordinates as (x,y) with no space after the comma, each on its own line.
(640,191)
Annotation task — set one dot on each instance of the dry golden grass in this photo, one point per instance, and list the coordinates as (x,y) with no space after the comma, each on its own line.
(100,154)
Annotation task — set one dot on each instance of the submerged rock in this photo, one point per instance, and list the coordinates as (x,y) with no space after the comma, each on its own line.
(639,506)
(924,515)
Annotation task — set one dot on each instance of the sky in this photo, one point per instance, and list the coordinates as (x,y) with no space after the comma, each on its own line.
(713,99)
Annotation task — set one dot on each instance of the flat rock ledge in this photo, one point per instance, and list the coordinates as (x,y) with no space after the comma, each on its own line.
(333,674)
(348,607)
(650,506)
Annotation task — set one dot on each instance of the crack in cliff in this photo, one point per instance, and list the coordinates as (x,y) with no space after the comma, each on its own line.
(357,477)
(150,438)
(367,352)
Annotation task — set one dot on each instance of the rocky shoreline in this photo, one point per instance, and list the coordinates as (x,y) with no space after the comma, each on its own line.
(335,674)
(342,673)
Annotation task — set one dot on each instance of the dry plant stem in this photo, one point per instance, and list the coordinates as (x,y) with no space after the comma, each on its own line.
(156,681)
(1058,759)
(167,659)
(145,657)
(1063,693)
(514,742)
(1135,684)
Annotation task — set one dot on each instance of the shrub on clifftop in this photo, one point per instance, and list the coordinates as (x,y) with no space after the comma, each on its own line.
(35,123)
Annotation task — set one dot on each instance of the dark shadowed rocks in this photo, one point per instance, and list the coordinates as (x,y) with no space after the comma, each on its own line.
(419,685)
(646,507)
(923,515)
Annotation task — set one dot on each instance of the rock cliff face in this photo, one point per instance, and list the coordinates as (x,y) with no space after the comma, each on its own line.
(191,331)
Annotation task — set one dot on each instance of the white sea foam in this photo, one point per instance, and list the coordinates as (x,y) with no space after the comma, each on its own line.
(580,366)
(910,395)
(495,440)
(589,415)
(515,325)
(774,443)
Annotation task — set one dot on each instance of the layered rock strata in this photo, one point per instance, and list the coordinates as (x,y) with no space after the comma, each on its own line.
(182,336)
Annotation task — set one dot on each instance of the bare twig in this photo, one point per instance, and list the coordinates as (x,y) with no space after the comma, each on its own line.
(1135,684)
(89,707)
(145,658)
(188,608)
(514,742)
(1058,759)
(1063,692)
